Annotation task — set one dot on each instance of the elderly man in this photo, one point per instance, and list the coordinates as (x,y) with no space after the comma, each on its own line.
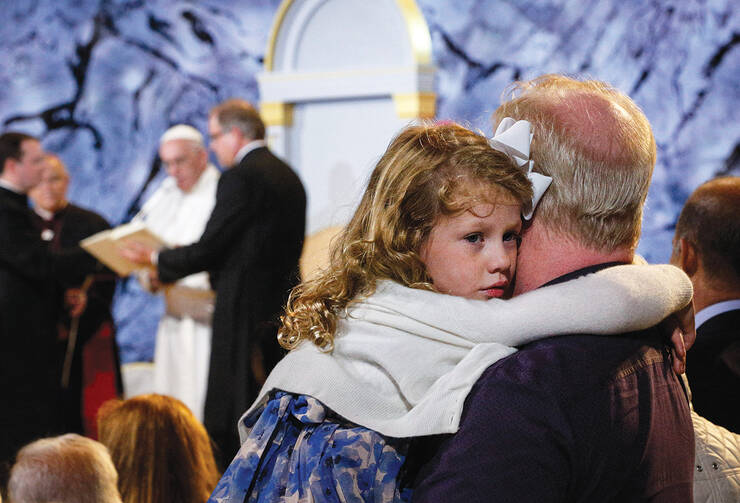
(250,246)
(178,212)
(65,469)
(87,351)
(574,418)
(707,247)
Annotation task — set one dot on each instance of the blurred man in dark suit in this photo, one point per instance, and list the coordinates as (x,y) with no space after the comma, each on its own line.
(250,247)
(707,247)
(89,372)
(31,280)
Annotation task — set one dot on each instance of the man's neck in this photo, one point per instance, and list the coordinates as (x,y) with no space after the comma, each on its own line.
(708,292)
(546,255)
(10,185)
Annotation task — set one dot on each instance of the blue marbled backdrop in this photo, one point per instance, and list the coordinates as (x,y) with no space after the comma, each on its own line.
(100,80)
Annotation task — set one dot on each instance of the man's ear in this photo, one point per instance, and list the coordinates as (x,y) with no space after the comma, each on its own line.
(238,134)
(687,257)
(9,167)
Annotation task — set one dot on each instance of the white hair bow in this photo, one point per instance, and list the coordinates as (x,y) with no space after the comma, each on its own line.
(513,138)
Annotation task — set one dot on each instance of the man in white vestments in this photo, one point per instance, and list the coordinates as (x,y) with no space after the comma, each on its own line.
(177,212)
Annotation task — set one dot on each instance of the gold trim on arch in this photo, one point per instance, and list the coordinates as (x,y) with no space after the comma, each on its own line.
(415,105)
(418,31)
(276,113)
(416,28)
(276,24)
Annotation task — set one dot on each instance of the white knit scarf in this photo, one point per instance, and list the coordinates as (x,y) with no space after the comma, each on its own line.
(404,360)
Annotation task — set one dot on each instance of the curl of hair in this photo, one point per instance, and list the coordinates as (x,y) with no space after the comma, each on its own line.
(162,452)
(427,171)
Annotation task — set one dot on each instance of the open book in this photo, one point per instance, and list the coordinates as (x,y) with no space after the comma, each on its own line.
(104,245)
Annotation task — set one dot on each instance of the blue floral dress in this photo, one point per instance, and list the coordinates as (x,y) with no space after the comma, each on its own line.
(298,450)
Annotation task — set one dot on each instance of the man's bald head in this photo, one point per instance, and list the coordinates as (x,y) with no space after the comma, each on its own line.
(598,147)
(51,192)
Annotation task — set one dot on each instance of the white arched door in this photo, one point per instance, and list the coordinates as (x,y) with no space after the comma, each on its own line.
(341,78)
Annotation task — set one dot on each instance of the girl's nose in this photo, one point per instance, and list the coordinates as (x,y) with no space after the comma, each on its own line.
(497,258)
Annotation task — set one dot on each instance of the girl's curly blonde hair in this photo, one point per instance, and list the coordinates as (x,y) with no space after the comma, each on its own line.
(427,171)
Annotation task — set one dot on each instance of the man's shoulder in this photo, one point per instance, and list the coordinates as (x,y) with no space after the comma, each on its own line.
(586,415)
(570,365)
(722,322)
(86,214)
(261,166)
(12,202)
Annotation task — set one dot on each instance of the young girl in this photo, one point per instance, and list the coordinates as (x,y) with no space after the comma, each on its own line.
(379,355)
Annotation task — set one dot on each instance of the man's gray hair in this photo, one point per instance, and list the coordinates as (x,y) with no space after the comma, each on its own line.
(65,469)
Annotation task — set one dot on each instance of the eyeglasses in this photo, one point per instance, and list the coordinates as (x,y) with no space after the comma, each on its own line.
(215,136)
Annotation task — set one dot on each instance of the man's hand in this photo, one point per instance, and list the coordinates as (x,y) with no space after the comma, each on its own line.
(75,299)
(153,279)
(680,327)
(137,252)
(149,280)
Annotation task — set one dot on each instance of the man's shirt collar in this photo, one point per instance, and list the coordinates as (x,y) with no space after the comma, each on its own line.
(7,185)
(247,149)
(715,309)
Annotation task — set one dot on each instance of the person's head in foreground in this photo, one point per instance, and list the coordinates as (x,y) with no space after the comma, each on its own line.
(598,147)
(162,452)
(442,211)
(65,469)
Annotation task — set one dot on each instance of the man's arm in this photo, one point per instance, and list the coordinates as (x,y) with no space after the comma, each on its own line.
(240,198)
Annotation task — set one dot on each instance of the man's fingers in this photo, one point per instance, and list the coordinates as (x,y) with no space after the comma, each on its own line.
(679,351)
(686,323)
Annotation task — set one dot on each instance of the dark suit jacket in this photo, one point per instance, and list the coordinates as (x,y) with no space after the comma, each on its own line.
(31,282)
(250,247)
(70,225)
(577,418)
(713,370)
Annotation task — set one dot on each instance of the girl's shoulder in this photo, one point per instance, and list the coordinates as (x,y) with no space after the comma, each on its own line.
(296,446)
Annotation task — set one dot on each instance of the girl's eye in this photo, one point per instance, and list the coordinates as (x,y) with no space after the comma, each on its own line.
(513,236)
(476,237)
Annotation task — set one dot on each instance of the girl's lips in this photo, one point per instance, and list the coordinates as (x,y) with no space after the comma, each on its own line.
(497,289)
(495,292)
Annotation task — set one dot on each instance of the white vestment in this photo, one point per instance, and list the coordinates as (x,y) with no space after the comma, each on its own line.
(183,345)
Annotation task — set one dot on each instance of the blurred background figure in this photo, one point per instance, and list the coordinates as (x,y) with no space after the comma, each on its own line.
(89,372)
(250,247)
(707,247)
(32,282)
(162,452)
(65,469)
(177,212)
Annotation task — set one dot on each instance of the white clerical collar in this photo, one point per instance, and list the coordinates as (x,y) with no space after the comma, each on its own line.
(715,309)
(247,149)
(7,185)
(46,215)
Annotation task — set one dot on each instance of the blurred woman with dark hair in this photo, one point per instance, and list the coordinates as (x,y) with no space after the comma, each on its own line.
(162,452)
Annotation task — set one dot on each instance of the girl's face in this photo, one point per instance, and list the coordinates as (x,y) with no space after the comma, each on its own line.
(473,254)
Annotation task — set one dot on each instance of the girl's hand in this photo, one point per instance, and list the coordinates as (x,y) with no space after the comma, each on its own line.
(680,328)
